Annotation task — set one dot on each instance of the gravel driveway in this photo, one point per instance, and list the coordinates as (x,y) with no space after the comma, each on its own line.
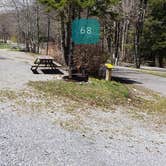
(155,83)
(34,138)
(15,70)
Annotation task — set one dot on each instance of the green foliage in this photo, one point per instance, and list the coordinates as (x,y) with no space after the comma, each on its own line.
(102,8)
(60,4)
(154,37)
(96,6)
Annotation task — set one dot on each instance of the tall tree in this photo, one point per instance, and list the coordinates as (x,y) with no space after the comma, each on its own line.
(154,36)
(68,11)
(140,14)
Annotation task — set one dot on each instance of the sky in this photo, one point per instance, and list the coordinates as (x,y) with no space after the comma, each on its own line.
(5,5)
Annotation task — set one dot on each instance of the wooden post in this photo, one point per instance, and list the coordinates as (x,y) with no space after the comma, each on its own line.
(109,68)
(108,74)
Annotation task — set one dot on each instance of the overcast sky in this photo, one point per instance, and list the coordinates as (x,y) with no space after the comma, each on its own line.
(5,5)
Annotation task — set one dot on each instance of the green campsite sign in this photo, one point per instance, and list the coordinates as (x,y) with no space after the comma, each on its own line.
(85,31)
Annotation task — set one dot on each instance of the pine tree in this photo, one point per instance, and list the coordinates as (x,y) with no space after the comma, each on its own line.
(154,38)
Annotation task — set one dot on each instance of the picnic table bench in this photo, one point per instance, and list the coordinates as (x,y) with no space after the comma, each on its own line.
(44,61)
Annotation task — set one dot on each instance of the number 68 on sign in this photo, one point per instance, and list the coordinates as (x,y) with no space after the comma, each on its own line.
(85,31)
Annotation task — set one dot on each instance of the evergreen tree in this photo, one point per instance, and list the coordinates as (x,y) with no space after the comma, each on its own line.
(154,37)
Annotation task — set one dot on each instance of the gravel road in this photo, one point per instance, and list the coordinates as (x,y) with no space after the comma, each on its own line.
(35,138)
(155,83)
(15,70)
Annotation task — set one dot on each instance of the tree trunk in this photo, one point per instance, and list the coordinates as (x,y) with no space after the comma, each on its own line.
(117,42)
(63,38)
(48,33)
(38,28)
(137,47)
(138,31)
(161,61)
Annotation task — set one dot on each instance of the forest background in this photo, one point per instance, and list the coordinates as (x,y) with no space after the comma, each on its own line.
(132,31)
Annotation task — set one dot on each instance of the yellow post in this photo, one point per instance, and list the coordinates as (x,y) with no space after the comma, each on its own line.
(109,68)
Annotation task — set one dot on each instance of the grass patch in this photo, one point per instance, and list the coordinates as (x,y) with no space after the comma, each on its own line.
(156,73)
(152,72)
(158,106)
(5,46)
(8,94)
(96,92)
(9,47)
(146,100)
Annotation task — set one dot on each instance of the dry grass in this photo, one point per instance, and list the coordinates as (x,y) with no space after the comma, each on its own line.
(104,94)
(147,101)
(97,92)
(156,73)
(152,72)
(71,104)
(7,95)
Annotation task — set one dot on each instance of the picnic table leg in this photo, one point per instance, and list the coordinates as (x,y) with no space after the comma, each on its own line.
(54,66)
(37,66)
(34,67)
(51,64)
(46,63)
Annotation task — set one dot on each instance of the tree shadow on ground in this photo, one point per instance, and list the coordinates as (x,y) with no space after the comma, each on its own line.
(77,78)
(48,71)
(2,58)
(124,80)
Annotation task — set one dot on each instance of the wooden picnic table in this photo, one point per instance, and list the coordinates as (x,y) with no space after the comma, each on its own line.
(44,61)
